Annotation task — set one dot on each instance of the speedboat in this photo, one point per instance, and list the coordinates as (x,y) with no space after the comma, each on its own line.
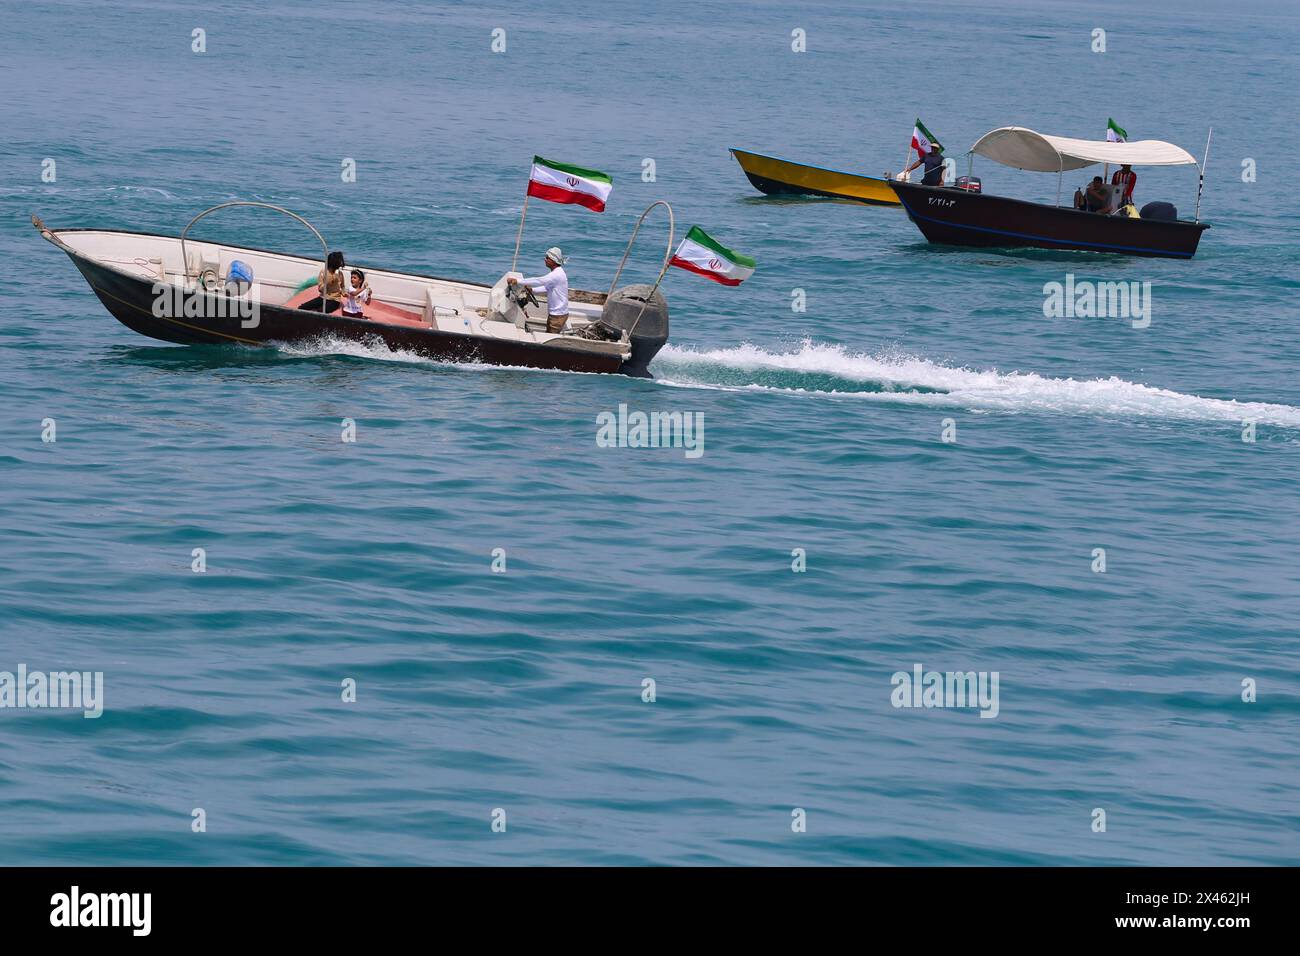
(189,291)
(965,216)
(780,177)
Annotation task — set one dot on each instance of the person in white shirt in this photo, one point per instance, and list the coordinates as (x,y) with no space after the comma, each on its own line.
(555,283)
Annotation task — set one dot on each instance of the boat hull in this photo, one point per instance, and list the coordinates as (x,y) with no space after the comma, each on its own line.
(956,217)
(780,177)
(132,302)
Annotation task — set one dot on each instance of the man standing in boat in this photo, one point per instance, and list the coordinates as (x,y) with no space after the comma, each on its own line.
(933,160)
(1125,177)
(930,152)
(555,283)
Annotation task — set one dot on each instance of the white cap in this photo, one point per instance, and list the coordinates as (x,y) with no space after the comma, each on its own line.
(556,256)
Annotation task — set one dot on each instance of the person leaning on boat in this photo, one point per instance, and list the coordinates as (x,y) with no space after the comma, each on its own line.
(555,283)
(933,161)
(329,286)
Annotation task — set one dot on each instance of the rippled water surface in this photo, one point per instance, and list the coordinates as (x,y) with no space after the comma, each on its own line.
(522,690)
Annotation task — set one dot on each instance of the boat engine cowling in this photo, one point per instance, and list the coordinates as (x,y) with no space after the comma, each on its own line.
(641,311)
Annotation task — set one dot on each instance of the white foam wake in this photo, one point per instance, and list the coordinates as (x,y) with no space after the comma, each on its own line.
(371,348)
(888,377)
(896,377)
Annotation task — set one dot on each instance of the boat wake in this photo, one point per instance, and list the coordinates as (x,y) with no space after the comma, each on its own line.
(901,378)
(371,348)
(895,377)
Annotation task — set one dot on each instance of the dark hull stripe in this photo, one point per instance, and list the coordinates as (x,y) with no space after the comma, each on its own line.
(965,219)
(1062,243)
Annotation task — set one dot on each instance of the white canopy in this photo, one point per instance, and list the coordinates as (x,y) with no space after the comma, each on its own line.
(1026,149)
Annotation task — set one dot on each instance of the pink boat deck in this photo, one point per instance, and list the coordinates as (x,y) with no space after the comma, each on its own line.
(376,311)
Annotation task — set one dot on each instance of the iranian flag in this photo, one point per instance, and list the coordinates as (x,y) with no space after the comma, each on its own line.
(922,138)
(702,254)
(560,182)
(1113,132)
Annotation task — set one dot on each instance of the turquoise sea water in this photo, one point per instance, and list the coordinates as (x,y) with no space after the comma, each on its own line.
(522,690)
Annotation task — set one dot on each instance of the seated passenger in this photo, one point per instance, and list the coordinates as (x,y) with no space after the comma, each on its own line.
(1079,202)
(1097,197)
(355,295)
(329,286)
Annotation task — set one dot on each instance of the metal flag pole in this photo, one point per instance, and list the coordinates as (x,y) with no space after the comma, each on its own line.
(520,237)
(1201,185)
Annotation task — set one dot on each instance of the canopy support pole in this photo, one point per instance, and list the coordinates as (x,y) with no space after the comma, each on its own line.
(1060,173)
(1201,185)
(520,237)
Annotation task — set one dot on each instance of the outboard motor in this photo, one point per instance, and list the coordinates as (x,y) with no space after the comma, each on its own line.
(648,333)
(1160,210)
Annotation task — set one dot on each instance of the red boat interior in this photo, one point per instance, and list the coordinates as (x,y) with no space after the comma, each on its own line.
(376,311)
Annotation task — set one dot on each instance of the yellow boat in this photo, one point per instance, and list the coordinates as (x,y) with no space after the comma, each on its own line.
(780,177)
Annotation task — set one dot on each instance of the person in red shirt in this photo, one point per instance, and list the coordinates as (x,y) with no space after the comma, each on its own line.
(1126,177)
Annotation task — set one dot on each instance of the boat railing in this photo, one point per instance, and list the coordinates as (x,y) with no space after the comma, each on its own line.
(185,262)
(668,255)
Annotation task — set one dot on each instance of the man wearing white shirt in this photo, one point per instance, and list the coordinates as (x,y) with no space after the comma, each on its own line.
(556,286)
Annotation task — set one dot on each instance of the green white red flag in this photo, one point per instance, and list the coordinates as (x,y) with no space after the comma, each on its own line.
(565,183)
(922,138)
(702,254)
(1114,134)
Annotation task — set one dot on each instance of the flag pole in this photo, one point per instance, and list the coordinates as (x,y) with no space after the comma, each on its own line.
(520,237)
(1201,185)
(1105,169)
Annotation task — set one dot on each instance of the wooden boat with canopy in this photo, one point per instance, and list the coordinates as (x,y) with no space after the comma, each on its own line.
(955,216)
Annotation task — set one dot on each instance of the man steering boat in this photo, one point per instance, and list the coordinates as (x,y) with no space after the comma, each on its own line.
(555,284)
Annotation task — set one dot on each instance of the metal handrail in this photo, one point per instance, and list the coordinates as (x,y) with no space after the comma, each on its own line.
(185,262)
(668,254)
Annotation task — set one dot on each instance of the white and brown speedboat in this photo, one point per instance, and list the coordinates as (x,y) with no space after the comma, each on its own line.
(193,291)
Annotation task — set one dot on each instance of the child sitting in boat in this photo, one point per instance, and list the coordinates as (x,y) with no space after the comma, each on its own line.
(356,293)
